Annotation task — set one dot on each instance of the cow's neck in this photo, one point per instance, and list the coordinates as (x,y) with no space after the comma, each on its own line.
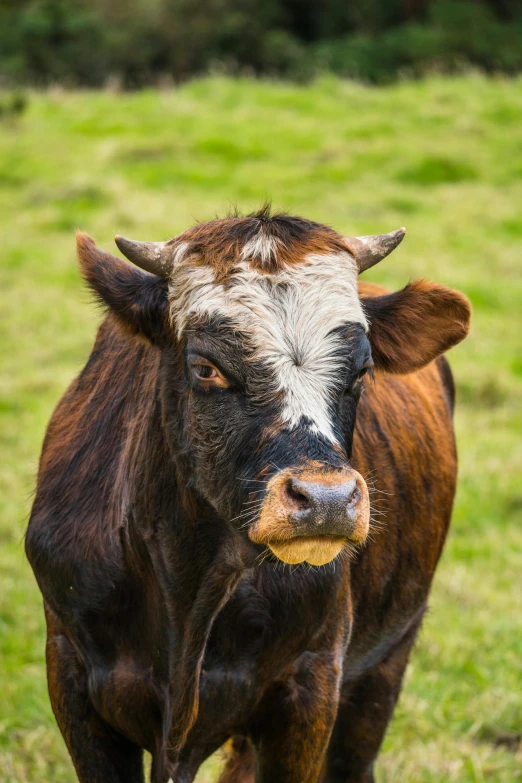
(195,560)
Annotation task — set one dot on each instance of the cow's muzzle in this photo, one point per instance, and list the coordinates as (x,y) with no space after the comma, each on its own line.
(310,514)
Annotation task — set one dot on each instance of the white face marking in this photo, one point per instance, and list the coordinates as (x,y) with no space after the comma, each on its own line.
(287,318)
(262,247)
(179,252)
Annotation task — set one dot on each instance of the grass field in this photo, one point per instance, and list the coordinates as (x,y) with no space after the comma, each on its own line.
(443,157)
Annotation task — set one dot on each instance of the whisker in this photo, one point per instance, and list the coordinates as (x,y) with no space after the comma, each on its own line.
(263,555)
(245,513)
(251,513)
(246,524)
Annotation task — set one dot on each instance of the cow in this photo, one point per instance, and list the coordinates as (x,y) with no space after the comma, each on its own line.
(241,503)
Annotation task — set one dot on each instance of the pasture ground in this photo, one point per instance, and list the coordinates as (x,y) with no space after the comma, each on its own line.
(443,157)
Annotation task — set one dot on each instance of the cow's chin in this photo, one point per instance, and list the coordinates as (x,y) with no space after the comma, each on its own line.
(316,550)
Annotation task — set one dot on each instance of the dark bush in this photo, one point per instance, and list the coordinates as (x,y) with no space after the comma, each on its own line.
(454,34)
(46,41)
(86,42)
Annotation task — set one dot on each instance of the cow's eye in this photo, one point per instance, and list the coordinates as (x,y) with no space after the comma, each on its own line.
(362,372)
(206,371)
(208,375)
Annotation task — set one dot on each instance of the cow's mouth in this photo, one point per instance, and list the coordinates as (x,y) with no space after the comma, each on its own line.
(316,550)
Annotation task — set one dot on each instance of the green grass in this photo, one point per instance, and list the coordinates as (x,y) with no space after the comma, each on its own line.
(443,157)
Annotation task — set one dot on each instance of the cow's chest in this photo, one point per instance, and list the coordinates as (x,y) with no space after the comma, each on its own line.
(254,645)
(257,640)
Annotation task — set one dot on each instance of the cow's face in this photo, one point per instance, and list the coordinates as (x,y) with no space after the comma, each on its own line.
(267,353)
(274,364)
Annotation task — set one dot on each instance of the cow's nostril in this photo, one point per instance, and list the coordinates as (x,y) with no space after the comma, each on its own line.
(295,497)
(325,502)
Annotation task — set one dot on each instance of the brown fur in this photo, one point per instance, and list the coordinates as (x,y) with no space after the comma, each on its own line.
(427,318)
(219,243)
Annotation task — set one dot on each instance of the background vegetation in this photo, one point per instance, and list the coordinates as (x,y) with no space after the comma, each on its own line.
(136,42)
(443,157)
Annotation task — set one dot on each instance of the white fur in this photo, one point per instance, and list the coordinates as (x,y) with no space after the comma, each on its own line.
(179,252)
(261,246)
(286,318)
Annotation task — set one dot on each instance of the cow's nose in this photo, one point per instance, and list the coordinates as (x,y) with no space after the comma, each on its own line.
(309,513)
(322,504)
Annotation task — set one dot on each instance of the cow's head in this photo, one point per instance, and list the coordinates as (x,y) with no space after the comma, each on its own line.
(265,346)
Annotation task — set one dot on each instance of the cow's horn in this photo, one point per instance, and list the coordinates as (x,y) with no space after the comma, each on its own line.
(154,257)
(369,250)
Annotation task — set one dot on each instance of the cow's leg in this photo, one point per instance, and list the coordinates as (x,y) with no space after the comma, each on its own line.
(240,766)
(365,709)
(296,718)
(99,754)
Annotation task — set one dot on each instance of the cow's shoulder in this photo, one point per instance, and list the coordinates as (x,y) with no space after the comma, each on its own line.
(73,533)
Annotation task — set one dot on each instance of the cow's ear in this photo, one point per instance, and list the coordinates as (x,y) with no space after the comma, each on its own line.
(138,300)
(410,328)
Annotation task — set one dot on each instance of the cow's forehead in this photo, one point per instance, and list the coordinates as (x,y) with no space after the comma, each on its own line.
(319,294)
(275,267)
(268,243)
(289,312)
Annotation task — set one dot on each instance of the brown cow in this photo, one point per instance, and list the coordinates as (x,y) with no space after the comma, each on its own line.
(245,406)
